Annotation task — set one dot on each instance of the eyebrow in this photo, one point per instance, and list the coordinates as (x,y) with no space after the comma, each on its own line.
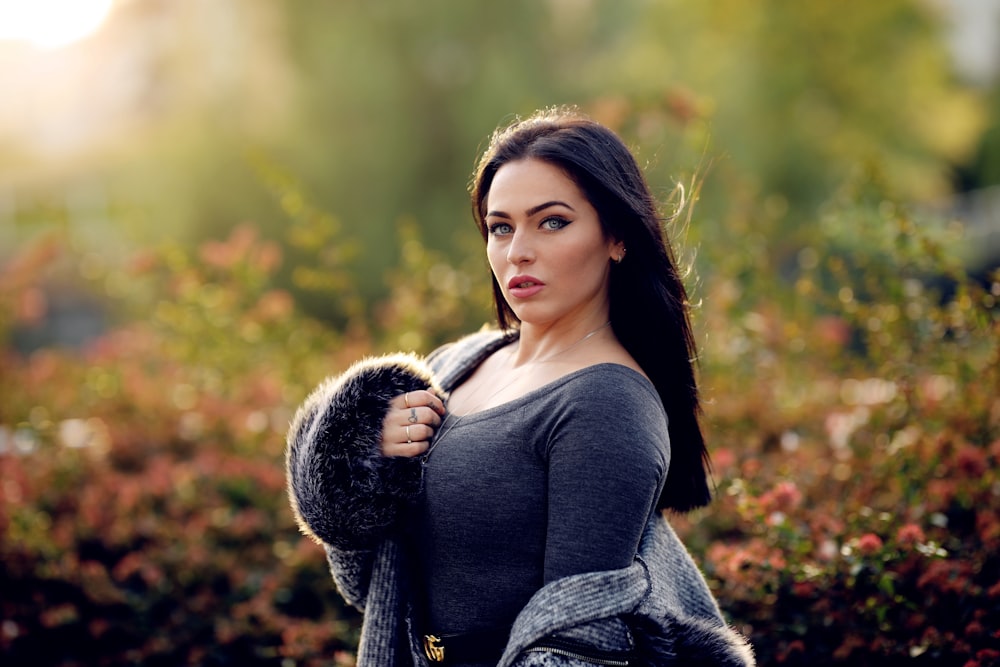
(533,210)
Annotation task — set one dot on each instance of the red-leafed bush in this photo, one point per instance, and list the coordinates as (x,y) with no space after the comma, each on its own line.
(854,419)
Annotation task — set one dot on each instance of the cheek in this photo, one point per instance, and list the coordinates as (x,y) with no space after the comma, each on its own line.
(586,258)
(494,256)
(587,269)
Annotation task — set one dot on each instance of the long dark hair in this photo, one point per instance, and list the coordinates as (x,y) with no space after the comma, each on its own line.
(649,304)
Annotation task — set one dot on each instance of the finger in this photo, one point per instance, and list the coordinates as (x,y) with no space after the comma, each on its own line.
(418,398)
(426,398)
(421,415)
(407,449)
(417,432)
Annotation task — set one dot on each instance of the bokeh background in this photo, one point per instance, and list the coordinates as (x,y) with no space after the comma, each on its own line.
(207,206)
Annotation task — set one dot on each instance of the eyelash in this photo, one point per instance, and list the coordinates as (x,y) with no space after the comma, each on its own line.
(555,218)
(562,222)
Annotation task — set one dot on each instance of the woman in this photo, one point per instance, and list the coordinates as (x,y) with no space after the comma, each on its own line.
(499,502)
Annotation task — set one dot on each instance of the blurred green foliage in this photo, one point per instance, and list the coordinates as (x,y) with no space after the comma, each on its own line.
(378,109)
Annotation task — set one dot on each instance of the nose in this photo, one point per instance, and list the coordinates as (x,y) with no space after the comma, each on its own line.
(521,250)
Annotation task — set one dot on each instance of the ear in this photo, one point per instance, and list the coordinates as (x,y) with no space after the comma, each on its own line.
(616,251)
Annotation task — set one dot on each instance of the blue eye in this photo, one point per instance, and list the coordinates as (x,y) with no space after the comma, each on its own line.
(499,228)
(554,223)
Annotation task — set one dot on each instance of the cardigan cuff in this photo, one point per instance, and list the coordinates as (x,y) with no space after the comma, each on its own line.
(343,491)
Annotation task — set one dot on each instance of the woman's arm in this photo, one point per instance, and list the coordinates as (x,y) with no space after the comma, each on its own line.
(607,453)
(607,458)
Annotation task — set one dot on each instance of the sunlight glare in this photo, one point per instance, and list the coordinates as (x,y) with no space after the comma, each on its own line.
(51,23)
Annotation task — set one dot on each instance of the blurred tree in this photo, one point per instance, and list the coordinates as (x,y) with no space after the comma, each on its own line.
(789,99)
(983,170)
(379,108)
(794,96)
(397,99)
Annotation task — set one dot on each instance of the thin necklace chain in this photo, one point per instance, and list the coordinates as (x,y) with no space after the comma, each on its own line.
(516,377)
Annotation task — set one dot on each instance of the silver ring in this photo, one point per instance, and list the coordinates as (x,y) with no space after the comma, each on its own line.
(413,416)
(408,440)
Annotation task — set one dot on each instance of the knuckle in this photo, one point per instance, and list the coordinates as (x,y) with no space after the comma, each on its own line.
(416,448)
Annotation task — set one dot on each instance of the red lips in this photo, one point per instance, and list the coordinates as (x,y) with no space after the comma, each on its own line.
(517,281)
(522,287)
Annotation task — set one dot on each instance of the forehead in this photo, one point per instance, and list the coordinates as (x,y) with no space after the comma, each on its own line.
(525,183)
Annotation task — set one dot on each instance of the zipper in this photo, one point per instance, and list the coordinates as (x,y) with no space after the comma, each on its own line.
(572,650)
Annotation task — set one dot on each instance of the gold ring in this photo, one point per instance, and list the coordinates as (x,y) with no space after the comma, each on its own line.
(406,399)
(408,440)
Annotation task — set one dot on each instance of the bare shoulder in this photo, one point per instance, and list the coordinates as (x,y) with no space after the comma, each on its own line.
(621,357)
(606,353)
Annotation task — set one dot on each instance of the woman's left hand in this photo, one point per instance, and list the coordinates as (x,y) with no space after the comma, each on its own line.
(410,422)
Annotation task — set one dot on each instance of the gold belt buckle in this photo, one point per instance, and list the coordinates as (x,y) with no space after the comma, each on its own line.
(433,648)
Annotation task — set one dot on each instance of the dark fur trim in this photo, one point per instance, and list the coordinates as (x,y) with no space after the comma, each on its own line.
(343,491)
(693,642)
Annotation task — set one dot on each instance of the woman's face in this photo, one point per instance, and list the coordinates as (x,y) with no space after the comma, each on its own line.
(546,246)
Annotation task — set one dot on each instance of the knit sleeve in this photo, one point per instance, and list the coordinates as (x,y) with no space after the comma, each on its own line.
(608,453)
(352,573)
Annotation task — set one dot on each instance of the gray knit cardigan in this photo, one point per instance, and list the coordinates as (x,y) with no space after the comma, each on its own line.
(348,497)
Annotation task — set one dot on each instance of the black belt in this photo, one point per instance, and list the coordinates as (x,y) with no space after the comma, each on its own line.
(476,646)
(488,646)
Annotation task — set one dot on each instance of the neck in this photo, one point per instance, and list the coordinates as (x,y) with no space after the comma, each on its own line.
(540,343)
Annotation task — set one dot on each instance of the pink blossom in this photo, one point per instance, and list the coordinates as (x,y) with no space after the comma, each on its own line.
(947,576)
(972,461)
(274,305)
(909,535)
(988,527)
(988,654)
(785,496)
(804,589)
(723,458)
(869,544)
(267,257)
(832,331)
(974,629)
(143,262)
(32,307)
(827,550)
(995,449)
